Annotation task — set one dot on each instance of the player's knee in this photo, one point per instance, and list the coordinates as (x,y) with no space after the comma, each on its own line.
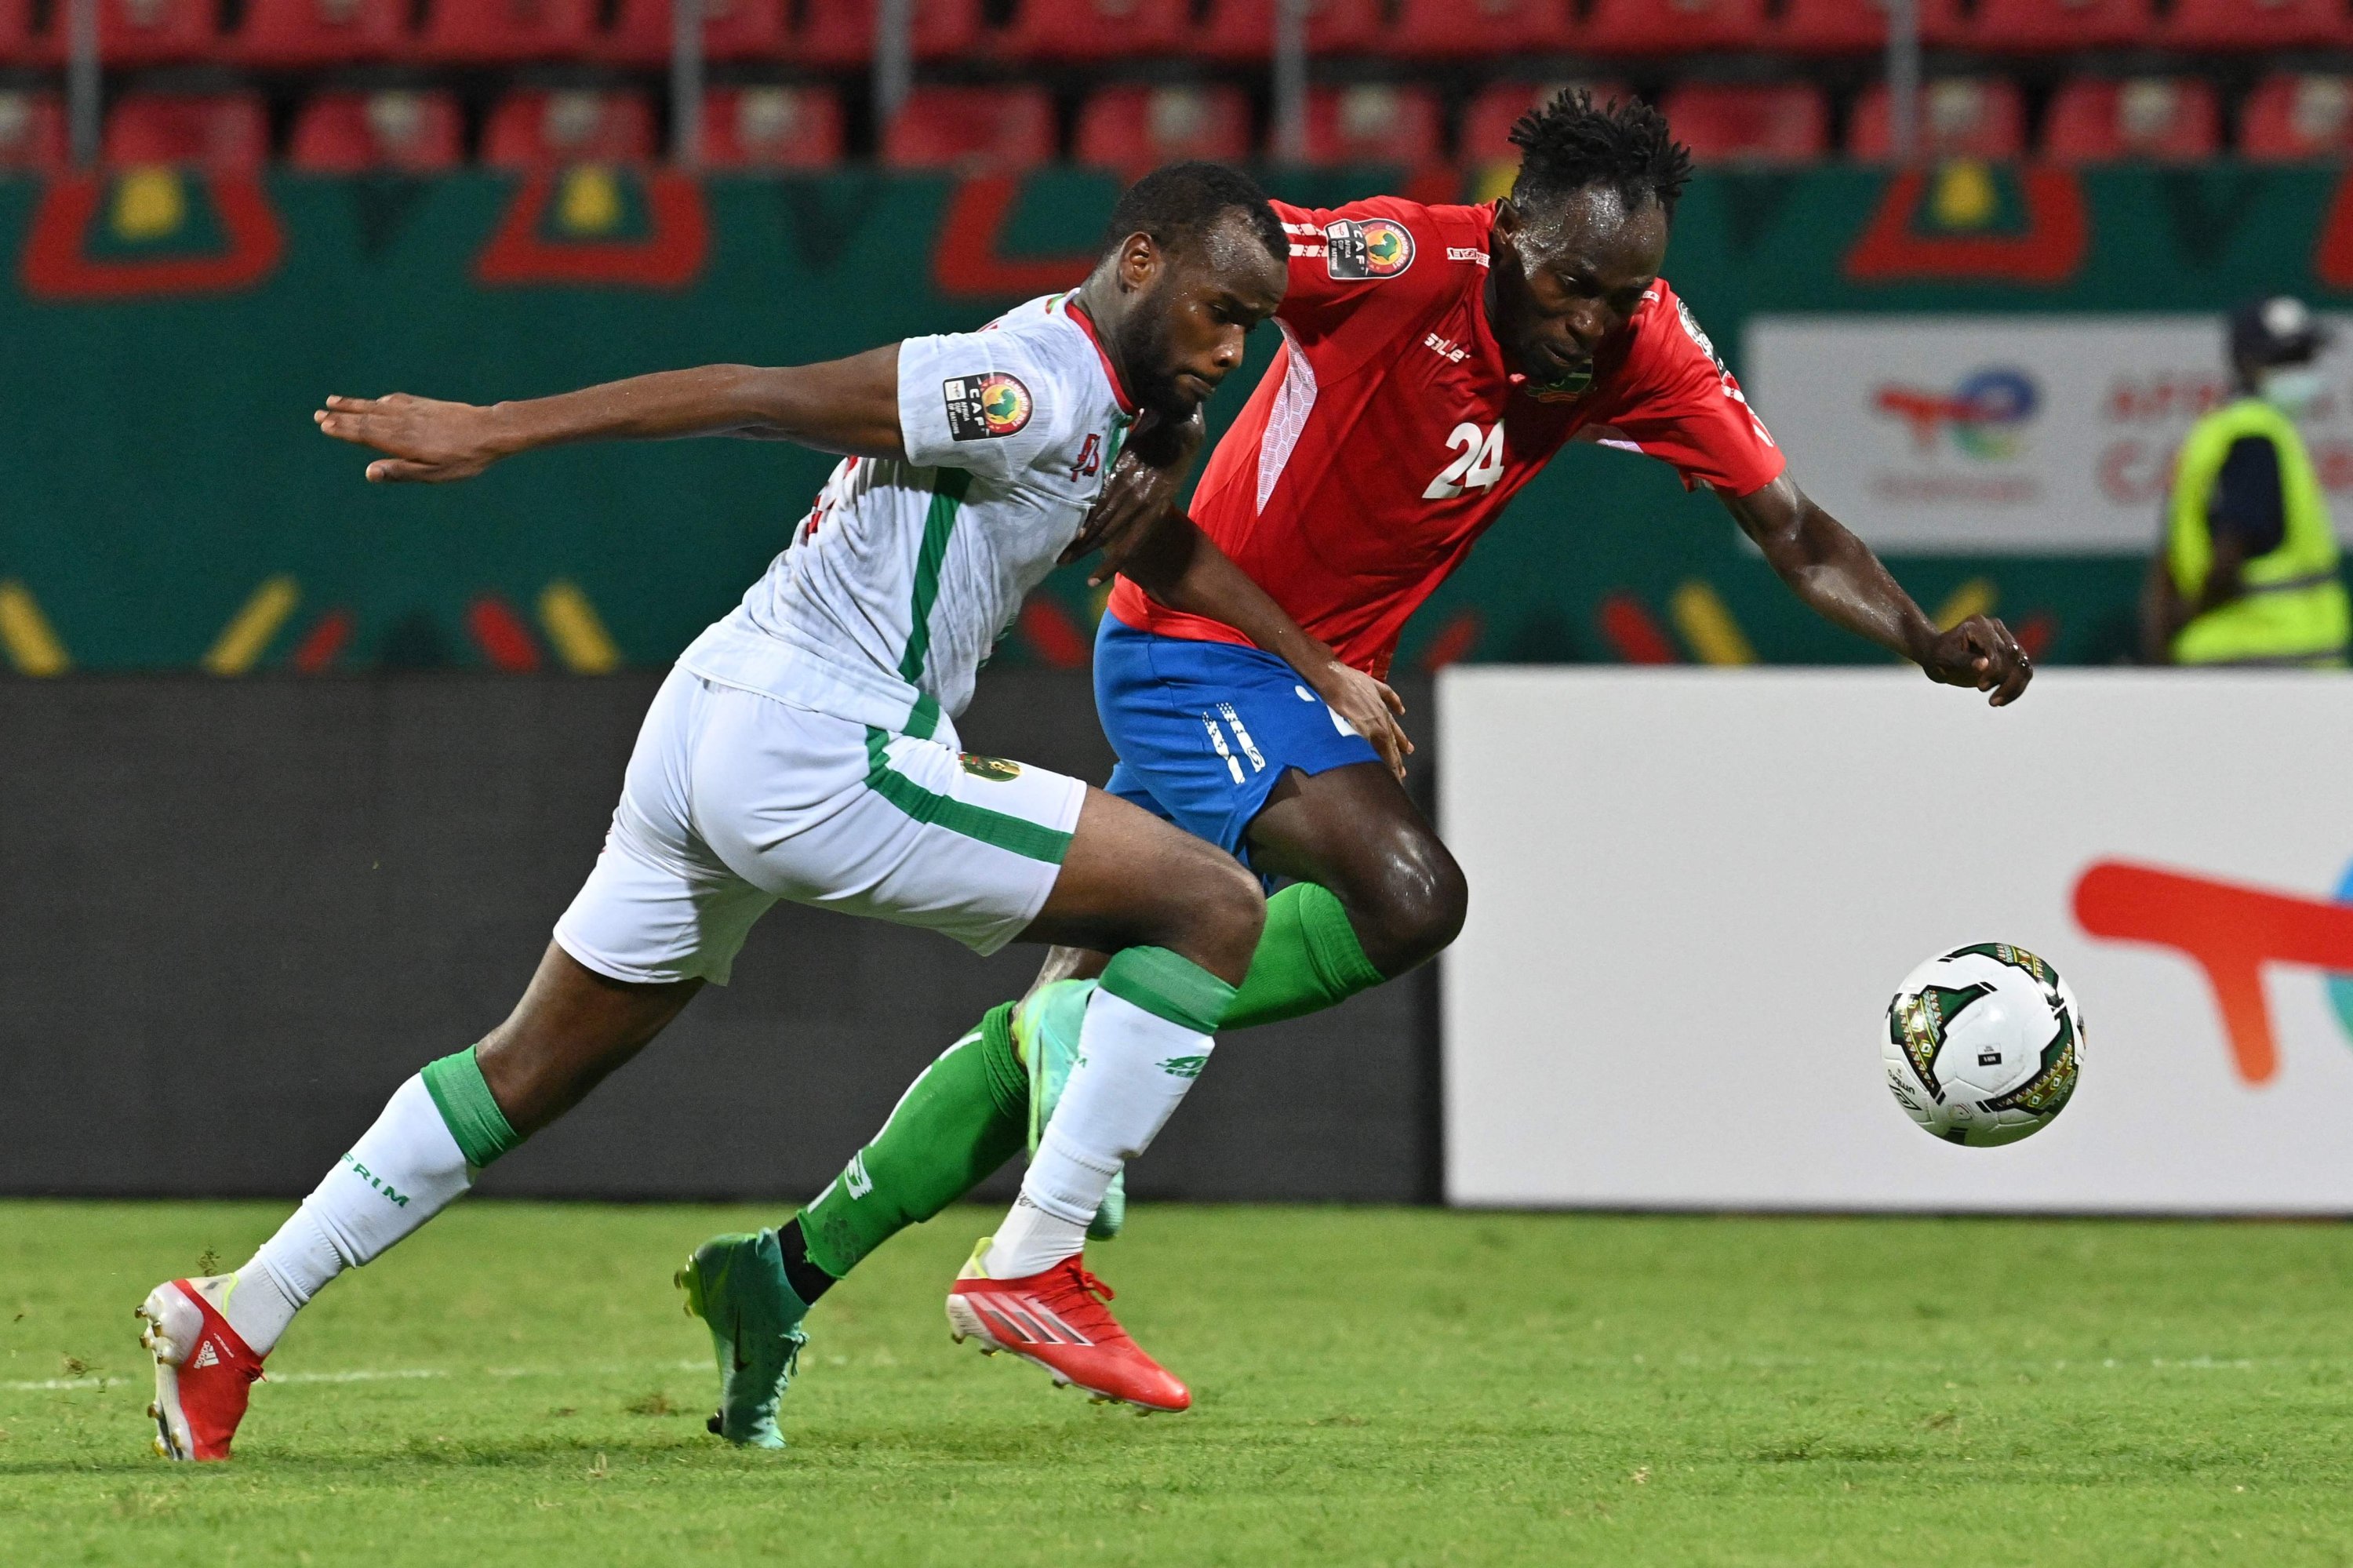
(1421,902)
(1222,909)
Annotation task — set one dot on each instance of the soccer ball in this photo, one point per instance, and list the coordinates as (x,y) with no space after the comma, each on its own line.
(1983,1044)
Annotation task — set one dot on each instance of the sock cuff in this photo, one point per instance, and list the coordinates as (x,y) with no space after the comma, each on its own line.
(1332,944)
(1008,1082)
(1169,987)
(467,1107)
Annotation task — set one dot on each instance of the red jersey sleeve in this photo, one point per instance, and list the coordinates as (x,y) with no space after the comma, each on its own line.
(1680,404)
(1363,274)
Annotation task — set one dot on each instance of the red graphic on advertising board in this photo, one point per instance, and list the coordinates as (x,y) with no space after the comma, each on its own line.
(2058,234)
(2229,930)
(669,256)
(58,262)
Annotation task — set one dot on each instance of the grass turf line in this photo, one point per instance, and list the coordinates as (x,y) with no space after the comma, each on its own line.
(517,1385)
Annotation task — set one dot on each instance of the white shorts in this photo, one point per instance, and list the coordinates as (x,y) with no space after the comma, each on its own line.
(735,800)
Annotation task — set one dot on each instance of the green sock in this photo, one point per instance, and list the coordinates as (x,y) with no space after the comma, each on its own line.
(967,1115)
(1308,959)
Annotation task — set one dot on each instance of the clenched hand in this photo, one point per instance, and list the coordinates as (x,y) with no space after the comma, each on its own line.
(1981,652)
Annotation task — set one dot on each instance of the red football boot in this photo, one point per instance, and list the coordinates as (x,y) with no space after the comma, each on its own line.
(1058,1320)
(204,1372)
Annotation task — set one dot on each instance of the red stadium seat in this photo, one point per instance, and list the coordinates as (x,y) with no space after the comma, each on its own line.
(771,128)
(1136,129)
(1856,26)
(499,32)
(2255,24)
(1094,29)
(146,32)
(2288,118)
(2151,119)
(32,133)
(537,130)
(292,33)
(1243,30)
(841,32)
(731,30)
(225,132)
(354,133)
(1740,123)
(2037,27)
(1960,117)
(1373,123)
(1488,119)
(1671,26)
(1476,30)
(972,129)
(19,44)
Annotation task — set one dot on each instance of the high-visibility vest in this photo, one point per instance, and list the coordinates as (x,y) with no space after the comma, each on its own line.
(2294,609)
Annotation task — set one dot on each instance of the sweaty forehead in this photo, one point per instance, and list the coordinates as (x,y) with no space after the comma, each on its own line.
(1229,254)
(1593,226)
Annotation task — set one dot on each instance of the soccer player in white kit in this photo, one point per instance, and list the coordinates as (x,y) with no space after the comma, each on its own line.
(805,747)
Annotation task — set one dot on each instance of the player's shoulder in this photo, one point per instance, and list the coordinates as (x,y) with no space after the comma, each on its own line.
(1389,238)
(1667,335)
(1036,372)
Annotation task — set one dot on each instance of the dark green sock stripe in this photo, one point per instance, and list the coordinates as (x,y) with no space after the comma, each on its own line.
(465,1104)
(1008,1083)
(1169,987)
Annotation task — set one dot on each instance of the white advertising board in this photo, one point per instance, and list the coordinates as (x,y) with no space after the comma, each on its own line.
(2017,433)
(1693,894)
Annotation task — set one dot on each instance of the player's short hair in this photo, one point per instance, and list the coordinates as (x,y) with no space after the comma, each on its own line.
(1571,143)
(1178,204)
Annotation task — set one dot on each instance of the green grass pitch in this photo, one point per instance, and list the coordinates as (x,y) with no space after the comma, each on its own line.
(517,1387)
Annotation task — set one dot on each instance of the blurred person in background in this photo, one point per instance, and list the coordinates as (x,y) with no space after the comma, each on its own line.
(2247,574)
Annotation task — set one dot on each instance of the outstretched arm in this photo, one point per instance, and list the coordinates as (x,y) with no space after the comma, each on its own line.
(1839,577)
(849,406)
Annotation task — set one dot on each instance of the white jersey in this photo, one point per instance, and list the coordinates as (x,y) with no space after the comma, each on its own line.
(906,573)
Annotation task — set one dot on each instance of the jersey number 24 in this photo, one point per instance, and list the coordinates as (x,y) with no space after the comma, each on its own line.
(1479,466)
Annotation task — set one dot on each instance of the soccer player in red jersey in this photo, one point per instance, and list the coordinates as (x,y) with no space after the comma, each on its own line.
(1434,360)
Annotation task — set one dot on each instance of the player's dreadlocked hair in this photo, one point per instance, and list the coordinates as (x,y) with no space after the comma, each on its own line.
(1178,204)
(1570,143)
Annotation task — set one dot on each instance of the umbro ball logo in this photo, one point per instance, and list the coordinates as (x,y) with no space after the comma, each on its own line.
(1367,250)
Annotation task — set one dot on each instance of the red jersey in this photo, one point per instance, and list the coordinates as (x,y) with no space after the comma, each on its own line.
(1389,432)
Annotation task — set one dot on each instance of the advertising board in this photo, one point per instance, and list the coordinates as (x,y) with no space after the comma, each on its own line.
(1693,894)
(2043,433)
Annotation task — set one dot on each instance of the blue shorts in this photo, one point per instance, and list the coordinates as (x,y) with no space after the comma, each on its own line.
(1203,730)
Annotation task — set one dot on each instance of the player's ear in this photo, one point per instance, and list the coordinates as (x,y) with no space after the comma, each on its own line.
(1140,262)
(1508,220)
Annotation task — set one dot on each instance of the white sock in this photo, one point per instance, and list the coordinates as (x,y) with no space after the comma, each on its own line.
(1134,1068)
(404,1171)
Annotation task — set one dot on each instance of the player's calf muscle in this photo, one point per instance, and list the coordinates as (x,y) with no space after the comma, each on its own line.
(571,1029)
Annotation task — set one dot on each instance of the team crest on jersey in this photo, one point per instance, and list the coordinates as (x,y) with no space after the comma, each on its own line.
(1359,250)
(1568,389)
(984,407)
(995,769)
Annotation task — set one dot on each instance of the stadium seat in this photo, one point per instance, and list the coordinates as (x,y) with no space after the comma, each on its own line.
(771,128)
(835,33)
(32,133)
(1740,123)
(2036,27)
(1373,123)
(19,43)
(294,33)
(2255,25)
(1670,27)
(354,133)
(972,129)
(1488,119)
(224,133)
(146,32)
(2288,118)
(1477,29)
(1094,29)
(1243,30)
(534,130)
(731,30)
(1856,26)
(499,32)
(1136,129)
(2155,119)
(1960,117)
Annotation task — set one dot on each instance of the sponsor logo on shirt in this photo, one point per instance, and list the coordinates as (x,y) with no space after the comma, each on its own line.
(1568,389)
(1467,253)
(1367,250)
(1446,349)
(984,407)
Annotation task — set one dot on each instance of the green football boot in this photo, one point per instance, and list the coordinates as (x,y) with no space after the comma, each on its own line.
(1046,1032)
(736,1285)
